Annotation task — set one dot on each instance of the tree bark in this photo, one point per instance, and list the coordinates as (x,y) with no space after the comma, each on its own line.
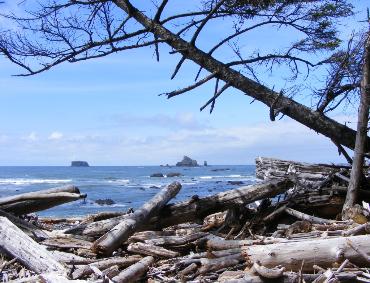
(122,231)
(321,252)
(361,136)
(194,209)
(341,134)
(34,256)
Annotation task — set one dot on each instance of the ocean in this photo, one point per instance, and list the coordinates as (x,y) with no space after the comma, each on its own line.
(127,186)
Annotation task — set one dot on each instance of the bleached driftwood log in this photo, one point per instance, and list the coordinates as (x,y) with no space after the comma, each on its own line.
(175,240)
(122,262)
(214,264)
(122,231)
(193,209)
(34,256)
(67,243)
(321,252)
(147,249)
(271,168)
(135,271)
(40,200)
(310,218)
(30,229)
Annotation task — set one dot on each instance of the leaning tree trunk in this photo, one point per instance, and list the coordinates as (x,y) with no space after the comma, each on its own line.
(361,136)
(339,133)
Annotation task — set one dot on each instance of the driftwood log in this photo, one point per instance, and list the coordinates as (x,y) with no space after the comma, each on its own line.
(36,201)
(104,264)
(18,245)
(194,209)
(28,228)
(303,255)
(270,168)
(135,271)
(110,241)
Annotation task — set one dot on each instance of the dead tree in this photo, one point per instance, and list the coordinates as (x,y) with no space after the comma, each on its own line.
(363,118)
(72,31)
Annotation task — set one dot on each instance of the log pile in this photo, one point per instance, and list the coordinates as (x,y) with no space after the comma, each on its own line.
(283,229)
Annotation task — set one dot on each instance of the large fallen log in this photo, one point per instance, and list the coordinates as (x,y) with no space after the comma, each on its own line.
(34,256)
(271,168)
(30,229)
(193,209)
(40,200)
(297,255)
(110,241)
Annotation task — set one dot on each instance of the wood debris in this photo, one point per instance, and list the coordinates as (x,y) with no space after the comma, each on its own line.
(291,235)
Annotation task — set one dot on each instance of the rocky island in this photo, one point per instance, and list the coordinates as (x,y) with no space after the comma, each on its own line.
(187,162)
(79,164)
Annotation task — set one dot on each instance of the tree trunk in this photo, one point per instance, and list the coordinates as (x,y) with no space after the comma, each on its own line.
(193,209)
(341,134)
(321,252)
(361,136)
(122,231)
(34,256)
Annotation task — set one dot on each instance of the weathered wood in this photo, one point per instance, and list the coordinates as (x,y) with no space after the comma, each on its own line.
(364,228)
(217,244)
(214,264)
(288,277)
(271,273)
(135,271)
(270,168)
(31,195)
(104,264)
(322,252)
(71,259)
(30,229)
(148,235)
(310,218)
(66,243)
(361,135)
(122,231)
(147,249)
(40,200)
(175,240)
(195,208)
(34,256)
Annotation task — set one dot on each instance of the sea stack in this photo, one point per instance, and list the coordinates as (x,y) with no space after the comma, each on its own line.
(187,162)
(79,164)
(205,163)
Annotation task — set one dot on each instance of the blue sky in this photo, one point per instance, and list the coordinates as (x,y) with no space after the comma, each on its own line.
(108,112)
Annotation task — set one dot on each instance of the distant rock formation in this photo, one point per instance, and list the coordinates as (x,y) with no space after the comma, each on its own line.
(173,174)
(79,164)
(157,175)
(107,201)
(187,162)
(205,163)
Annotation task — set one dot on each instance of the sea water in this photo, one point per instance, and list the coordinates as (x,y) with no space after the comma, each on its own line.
(127,186)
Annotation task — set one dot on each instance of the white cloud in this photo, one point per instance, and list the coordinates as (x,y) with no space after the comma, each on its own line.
(31,137)
(55,136)
(284,139)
